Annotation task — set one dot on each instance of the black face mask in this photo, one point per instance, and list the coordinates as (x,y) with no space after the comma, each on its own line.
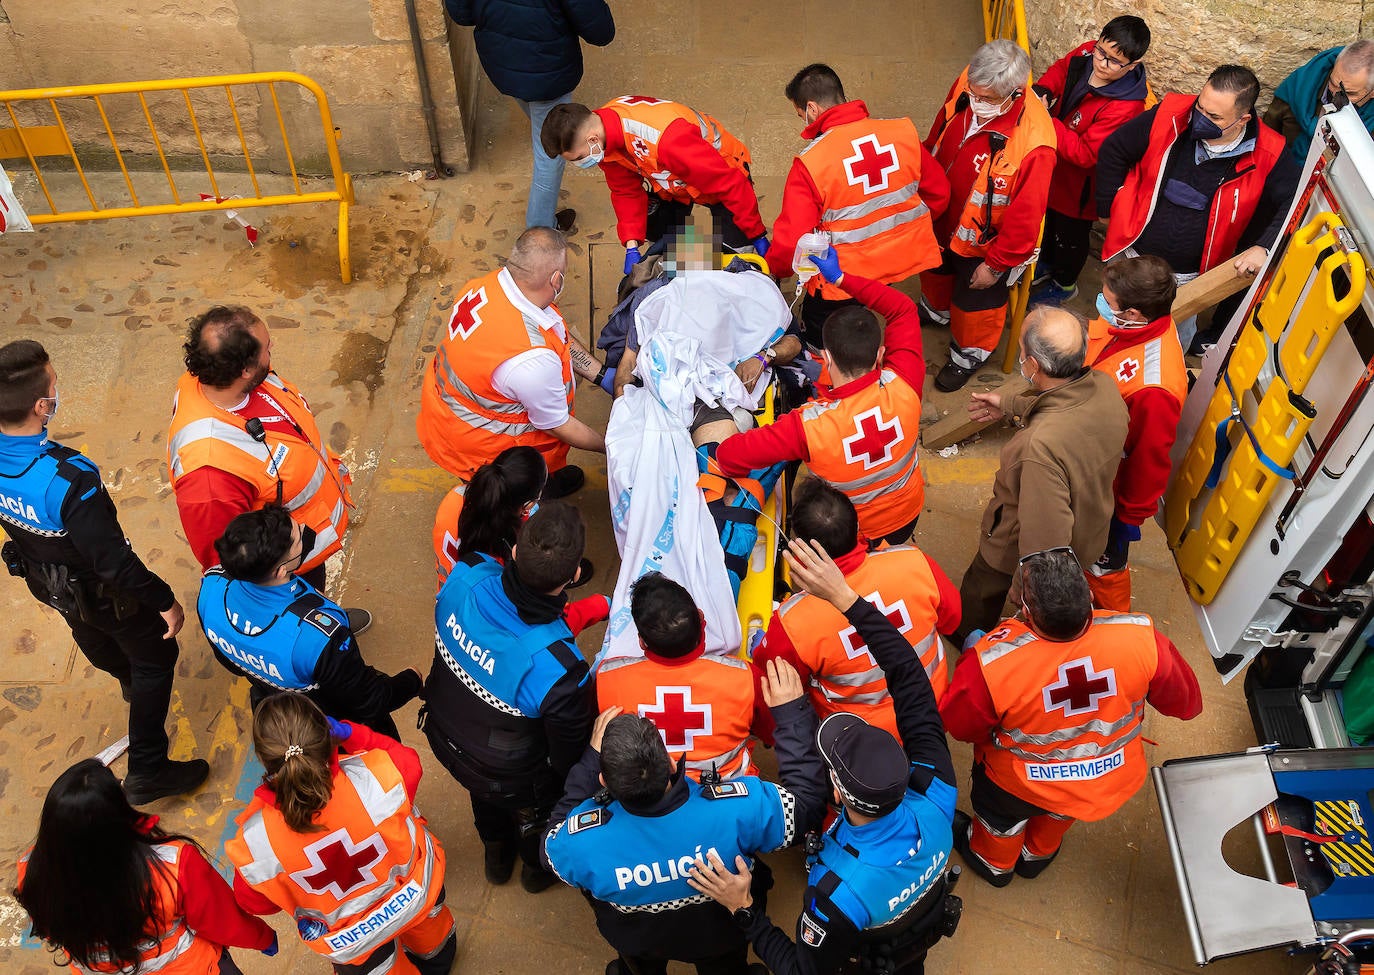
(1204,128)
(308,537)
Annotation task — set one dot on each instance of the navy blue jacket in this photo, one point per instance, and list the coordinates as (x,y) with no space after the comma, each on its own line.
(530,49)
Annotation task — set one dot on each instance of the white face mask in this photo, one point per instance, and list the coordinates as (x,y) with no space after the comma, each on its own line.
(985,111)
(593,157)
(54,399)
(561,284)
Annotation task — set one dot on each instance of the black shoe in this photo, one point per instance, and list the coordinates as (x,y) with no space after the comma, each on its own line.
(172,779)
(566,221)
(962,824)
(613,967)
(1030,869)
(499,862)
(584,575)
(953,377)
(563,482)
(358,619)
(535,880)
(126,691)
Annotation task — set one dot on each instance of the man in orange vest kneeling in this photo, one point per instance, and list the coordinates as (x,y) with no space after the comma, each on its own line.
(998,147)
(903,582)
(703,704)
(1134,341)
(1054,706)
(503,373)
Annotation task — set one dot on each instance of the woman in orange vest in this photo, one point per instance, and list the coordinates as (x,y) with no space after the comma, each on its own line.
(108,890)
(333,837)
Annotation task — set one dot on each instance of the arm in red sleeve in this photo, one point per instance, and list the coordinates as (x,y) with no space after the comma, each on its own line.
(951,608)
(762,725)
(934,185)
(967,709)
(1052,81)
(628,199)
(250,900)
(938,125)
(208,499)
(210,909)
(748,451)
(405,758)
(1174,690)
(1020,228)
(684,152)
(800,214)
(582,613)
(902,337)
(1144,472)
(776,645)
(1080,148)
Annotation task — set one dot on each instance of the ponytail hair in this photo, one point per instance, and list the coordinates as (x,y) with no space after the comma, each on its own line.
(494,505)
(293,743)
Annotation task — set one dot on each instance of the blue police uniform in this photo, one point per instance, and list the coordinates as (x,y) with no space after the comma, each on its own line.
(291,638)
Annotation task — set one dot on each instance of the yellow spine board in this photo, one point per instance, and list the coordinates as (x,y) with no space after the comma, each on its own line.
(756,588)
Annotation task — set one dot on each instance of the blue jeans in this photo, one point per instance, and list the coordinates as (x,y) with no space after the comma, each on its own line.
(548,173)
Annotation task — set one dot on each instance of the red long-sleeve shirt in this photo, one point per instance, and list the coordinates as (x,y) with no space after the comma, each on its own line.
(207,500)
(363,739)
(683,152)
(969,714)
(801,201)
(962,159)
(784,439)
(1154,416)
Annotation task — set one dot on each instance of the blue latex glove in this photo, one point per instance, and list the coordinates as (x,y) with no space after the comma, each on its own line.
(973,638)
(271,950)
(632,257)
(339,730)
(829,263)
(761,246)
(608,382)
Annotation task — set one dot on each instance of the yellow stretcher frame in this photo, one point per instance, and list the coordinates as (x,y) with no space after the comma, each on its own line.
(756,589)
(33,142)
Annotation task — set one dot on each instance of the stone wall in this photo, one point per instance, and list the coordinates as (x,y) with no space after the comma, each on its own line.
(359,51)
(1190,37)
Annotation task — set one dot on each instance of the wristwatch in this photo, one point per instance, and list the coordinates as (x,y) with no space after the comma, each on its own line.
(744,917)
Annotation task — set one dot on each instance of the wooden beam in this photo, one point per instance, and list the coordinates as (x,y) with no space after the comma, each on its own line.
(959,426)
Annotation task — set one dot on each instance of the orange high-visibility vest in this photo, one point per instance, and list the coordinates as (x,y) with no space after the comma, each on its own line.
(866,446)
(1070,714)
(371,873)
(644,120)
(445,534)
(315,482)
(868,174)
(981,217)
(703,708)
(171,947)
(464,420)
(1157,362)
(844,675)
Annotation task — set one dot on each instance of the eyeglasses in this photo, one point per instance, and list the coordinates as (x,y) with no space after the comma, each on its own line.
(1333,86)
(1057,550)
(1100,52)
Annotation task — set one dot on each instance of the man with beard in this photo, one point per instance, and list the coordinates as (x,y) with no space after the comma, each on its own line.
(242,438)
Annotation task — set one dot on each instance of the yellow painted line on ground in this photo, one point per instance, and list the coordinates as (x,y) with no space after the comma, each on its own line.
(954,470)
(414,480)
(226,736)
(183,739)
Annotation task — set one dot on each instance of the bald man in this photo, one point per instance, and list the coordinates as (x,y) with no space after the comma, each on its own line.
(1059,465)
(503,373)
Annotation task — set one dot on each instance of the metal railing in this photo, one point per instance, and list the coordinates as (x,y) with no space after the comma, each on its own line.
(112,126)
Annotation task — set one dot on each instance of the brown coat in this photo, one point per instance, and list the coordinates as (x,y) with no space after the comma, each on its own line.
(1058,468)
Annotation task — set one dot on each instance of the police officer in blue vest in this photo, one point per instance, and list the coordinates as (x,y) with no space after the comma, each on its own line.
(508,704)
(65,541)
(268,624)
(632,825)
(877,892)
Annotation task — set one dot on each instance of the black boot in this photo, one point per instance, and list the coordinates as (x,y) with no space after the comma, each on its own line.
(172,779)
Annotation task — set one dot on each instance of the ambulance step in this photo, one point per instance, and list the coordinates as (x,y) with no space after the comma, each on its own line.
(1277,715)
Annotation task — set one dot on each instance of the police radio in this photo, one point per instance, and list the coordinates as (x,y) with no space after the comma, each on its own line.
(255,430)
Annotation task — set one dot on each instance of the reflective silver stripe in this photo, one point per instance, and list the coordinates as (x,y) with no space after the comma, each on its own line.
(708,132)
(999,650)
(721,762)
(636,127)
(853,680)
(466,391)
(1086,750)
(152,963)
(533,332)
(867,697)
(1153,370)
(907,460)
(264,864)
(307,494)
(891,198)
(488,698)
(1094,727)
(818,408)
(878,226)
(791,603)
(212,428)
(479,422)
(1132,619)
(967,234)
(381,803)
(978,198)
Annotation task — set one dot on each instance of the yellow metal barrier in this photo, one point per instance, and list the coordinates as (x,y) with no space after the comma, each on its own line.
(40,130)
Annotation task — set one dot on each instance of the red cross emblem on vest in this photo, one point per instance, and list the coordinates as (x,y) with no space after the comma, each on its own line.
(338,866)
(1079,688)
(450,548)
(677,719)
(639,147)
(873,439)
(640,100)
(1127,370)
(871,164)
(465,318)
(897,615)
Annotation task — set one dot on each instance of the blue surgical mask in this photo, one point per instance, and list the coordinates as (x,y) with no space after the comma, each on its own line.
(593,157)
(1105,310)
(1204,128)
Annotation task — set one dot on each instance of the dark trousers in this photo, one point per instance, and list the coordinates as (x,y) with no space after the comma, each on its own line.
(380,721)
(665,216)
(517,829)
(900,537)
(733,962)
(1064,249)
(227,966)
(814,311)
(983,593)
(134,652)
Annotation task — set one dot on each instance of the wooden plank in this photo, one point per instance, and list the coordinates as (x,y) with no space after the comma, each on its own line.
(960,426)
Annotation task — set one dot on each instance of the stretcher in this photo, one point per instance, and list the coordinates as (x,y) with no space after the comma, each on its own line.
(757,588)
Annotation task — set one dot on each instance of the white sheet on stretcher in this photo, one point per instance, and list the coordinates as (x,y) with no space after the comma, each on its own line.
(660,518)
